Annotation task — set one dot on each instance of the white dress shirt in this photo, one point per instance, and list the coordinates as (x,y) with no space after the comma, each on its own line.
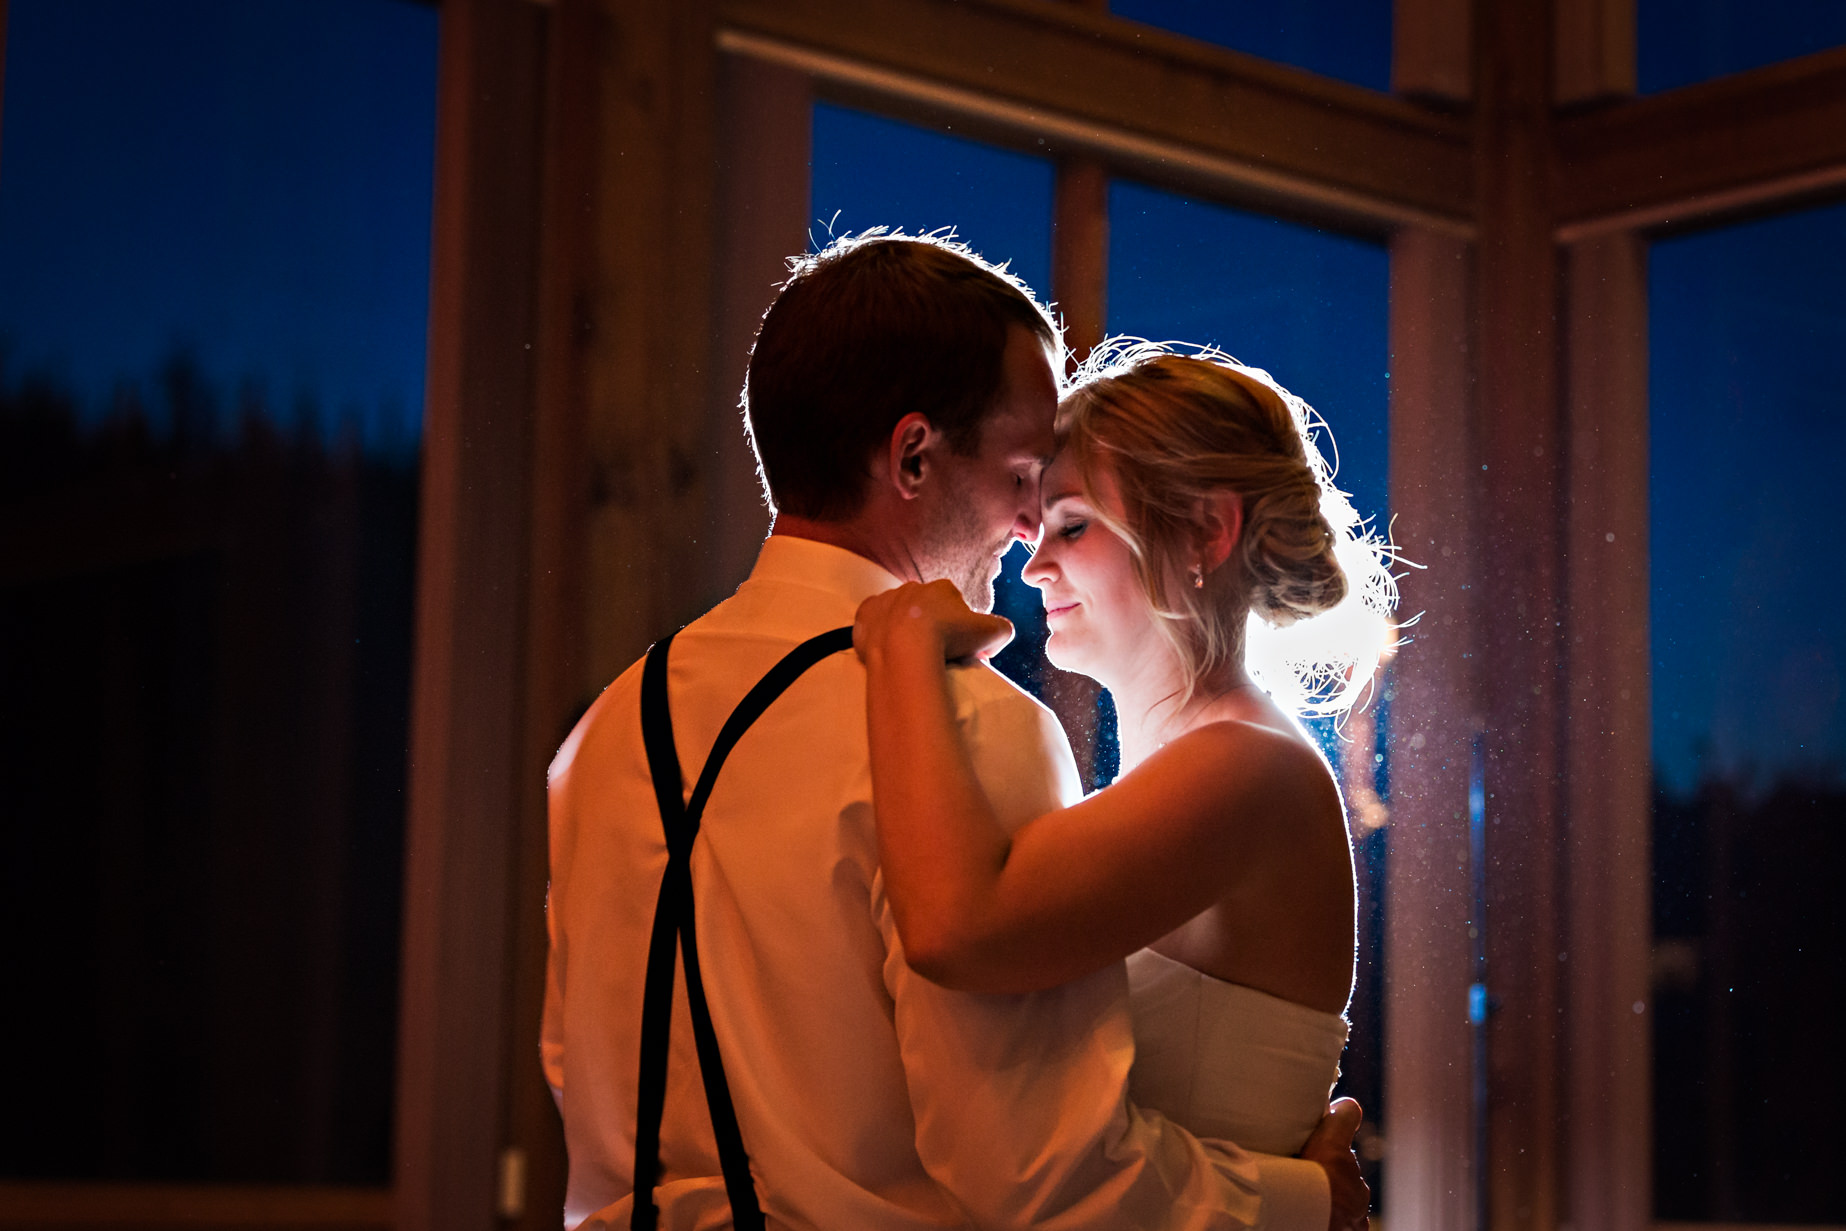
(868,1098)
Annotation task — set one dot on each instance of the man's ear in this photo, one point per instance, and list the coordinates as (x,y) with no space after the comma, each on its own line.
(909,454)
(1220,527)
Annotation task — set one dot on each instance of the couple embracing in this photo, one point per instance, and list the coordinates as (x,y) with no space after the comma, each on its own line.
(835,940)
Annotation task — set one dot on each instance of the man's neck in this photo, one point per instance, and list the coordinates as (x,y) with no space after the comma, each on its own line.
(885,550)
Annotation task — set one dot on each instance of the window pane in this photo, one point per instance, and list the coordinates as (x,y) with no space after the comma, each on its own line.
(214,238)
(871,171)
(1309,307)
(1749,737)
(1348,39)
(1686,41)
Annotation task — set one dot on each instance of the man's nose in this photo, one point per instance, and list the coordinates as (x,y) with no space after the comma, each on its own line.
(1026,517)
(1025,525)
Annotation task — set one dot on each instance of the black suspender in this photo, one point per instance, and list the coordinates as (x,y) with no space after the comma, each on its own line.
(673,922)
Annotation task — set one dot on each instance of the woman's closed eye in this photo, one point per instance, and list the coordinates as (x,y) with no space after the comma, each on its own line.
(1073,529)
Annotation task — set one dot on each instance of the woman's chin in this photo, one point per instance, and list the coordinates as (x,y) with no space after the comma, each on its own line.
(1067,657)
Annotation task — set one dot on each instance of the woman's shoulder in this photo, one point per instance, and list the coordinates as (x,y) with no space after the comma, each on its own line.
(1252,761)
(1257,741)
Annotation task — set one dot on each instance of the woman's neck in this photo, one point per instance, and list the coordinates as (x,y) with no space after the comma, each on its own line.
(1152,709)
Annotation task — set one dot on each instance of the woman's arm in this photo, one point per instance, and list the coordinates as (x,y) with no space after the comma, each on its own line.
(1070,891)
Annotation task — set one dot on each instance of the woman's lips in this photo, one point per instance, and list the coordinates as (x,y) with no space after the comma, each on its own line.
(1053,611)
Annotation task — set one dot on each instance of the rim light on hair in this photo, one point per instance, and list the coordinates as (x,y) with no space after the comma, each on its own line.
(1307,593)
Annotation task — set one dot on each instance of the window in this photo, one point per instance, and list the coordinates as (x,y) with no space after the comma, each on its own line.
(1347,39)
(1749,733)
(214,244)
(1687,41)
(1309,307)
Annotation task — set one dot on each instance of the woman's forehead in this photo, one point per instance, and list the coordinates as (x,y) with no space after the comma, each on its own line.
(1064,480)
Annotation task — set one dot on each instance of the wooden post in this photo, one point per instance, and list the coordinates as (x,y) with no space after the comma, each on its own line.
(1428,1117)
(532,1163)
(648,305)
(766,122)
(1608,736)
(1595,58)
(1432,50)
(1079,286)
(468,691)
(1431,1173)
(1080,253)
(1519,537)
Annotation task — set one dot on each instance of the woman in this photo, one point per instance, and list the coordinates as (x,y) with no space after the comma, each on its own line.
(1187,498)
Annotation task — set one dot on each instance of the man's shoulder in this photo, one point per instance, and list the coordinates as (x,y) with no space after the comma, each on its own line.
(617,707)
(978,684)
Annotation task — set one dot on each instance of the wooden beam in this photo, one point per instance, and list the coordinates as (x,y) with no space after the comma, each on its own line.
(467,691)
(1608,736)
(1151,105)
(1745,143)
(1428,1114)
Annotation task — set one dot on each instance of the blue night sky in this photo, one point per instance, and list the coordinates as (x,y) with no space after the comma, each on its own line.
(246,181)
(250,181)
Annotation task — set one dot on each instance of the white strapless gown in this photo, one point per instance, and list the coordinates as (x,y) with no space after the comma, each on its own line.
(1228,1061)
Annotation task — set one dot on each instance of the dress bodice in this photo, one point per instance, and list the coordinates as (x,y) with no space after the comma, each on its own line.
(1228,1061)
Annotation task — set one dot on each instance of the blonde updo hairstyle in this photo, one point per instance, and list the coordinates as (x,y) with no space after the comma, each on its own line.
(1307,590)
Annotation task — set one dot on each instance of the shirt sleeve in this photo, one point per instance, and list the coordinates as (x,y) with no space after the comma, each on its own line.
(1021,1104)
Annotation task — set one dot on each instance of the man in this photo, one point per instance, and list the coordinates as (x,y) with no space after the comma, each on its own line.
(900,399)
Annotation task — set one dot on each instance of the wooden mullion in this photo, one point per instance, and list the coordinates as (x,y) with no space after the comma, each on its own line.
(468,691)
(533,1165)
(1608,736)
(1428,1116)
(765,131)
(1079,286)
(1595,50)
(1748,142)
(1432,53)
(1519,536)
(1154,105)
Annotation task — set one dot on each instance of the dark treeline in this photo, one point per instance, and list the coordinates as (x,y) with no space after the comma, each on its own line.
(1750,929)
(205,625)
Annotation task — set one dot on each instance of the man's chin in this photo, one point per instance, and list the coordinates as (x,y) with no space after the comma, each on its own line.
(977,590)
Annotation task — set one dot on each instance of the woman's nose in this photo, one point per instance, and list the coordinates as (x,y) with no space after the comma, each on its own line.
(1039,568)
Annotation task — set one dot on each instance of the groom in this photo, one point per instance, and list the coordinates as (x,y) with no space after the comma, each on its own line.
(900,400)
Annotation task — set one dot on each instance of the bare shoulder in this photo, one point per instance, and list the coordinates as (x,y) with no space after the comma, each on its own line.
(1248,751)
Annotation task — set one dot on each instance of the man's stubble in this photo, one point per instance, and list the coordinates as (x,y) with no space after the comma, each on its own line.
(959,547)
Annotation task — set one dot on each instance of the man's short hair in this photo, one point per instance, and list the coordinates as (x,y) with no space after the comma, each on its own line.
(871,329)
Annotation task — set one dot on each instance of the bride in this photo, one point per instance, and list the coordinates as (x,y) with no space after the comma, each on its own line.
(1193,548)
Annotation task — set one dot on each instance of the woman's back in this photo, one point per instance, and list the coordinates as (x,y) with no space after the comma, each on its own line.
(1284,924)
(1228,1061)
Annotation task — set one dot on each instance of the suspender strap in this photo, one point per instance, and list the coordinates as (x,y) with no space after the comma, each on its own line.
(674,929)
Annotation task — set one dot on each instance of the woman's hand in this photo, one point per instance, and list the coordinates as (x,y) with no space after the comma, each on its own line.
(930,615)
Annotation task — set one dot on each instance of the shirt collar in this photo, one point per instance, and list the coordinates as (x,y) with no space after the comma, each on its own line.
(785,558)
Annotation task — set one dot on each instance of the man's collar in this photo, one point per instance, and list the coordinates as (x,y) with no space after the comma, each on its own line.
(811,563)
